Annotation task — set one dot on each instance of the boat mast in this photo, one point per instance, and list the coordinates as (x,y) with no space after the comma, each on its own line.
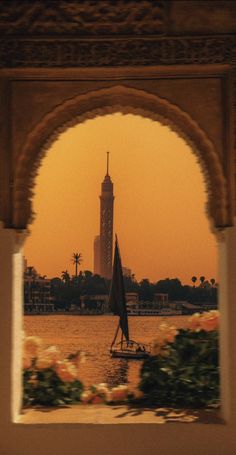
(114,340)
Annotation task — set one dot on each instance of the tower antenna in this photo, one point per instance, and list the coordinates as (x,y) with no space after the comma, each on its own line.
(108,163)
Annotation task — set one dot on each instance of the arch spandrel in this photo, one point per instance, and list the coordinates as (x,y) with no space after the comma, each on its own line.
(106,101)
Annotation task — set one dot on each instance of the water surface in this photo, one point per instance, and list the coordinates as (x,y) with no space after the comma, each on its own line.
(93,335)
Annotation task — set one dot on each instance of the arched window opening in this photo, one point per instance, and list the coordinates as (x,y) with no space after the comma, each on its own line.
(161,222)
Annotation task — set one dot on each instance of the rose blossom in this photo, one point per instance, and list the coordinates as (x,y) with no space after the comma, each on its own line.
(119,393)
(27,362)
(210,320)
(48,358)
(86,397)
(43,362)
(53,353)
(103,391)
(66,371)
(31,346)
(195,322)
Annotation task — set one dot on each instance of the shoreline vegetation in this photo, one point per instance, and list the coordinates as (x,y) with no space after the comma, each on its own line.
(87,293)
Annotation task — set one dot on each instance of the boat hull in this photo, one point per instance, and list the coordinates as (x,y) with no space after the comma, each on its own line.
(130,355)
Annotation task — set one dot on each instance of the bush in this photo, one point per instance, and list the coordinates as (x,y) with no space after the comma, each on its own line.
(185,372)
(49,380)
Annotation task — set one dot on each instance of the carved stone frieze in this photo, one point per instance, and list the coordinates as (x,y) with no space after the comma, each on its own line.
(100,53)
(86,18)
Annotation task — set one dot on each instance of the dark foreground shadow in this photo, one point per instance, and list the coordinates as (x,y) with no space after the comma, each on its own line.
(173,415)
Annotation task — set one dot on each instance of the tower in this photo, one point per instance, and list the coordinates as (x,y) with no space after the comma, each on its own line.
(106,225)
(96,255)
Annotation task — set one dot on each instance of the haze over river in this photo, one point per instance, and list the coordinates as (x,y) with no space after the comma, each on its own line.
(93,335)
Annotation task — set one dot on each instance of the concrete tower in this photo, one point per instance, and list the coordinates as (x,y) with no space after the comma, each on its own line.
(106,225)
(96,255)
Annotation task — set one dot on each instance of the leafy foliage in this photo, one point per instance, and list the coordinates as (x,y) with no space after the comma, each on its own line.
(47,389)
(187,375)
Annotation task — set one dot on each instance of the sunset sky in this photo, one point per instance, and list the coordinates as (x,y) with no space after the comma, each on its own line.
(159,208)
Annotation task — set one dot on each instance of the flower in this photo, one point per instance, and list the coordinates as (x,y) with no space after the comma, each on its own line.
(166,334)
(48,358)
(31,346)
(87,397)
(210,320)
(53,353)
(27,362)
(207,321)
(195,322)
(119,393)
(103,391)
(66,371)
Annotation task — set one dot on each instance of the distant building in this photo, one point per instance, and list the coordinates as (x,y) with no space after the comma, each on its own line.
(37,292)
(96,255)
(97,302)
(106,227)
(161,300)
(132,297)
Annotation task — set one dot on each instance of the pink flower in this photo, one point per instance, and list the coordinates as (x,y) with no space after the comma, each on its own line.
(31,346)
(195,322)
(66,371)
(210,320)
(48,358)
(102,391)
(53,353)
(87,397)
(119,393)
(43,362)
(27,362)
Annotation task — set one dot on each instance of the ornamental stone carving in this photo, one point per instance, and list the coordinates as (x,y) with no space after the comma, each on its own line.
(45,53)
(117,99)
(87,17)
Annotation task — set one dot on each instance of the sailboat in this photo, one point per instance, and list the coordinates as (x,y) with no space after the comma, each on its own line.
(125,347)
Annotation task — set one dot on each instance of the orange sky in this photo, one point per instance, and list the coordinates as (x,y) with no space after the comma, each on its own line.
(159,201)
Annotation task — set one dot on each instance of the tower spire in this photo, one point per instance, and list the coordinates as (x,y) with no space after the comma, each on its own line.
(108,163)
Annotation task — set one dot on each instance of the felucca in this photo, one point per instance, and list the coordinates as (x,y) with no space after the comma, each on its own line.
(125,347)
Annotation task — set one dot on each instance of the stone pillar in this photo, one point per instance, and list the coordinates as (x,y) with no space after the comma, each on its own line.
(227,299)
(11,301)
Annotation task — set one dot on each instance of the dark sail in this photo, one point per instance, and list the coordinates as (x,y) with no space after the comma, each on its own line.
(117,301)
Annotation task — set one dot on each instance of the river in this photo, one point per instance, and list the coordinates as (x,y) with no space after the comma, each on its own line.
(93,335)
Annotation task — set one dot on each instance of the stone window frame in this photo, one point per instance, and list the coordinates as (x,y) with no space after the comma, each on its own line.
(154,436)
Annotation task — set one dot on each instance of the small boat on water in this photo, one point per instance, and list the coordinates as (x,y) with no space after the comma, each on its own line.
(125,347)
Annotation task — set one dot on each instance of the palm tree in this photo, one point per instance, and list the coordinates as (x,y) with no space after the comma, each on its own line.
(194,279)
(212,281)
(202,279)
(77,259)
(65,276)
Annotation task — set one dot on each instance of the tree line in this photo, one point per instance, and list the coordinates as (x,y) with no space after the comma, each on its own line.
(67,290)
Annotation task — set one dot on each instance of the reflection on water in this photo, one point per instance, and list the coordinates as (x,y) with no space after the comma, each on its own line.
(93,335)
(118,373)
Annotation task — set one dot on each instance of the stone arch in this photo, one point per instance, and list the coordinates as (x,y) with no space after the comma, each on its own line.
(122,99)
